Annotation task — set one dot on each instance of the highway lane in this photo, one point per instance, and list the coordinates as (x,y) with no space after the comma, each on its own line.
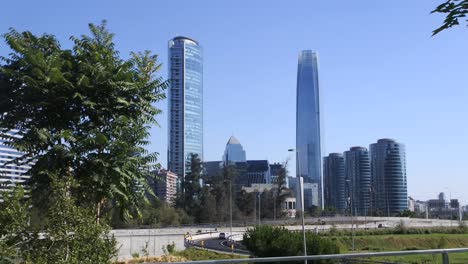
(222,245)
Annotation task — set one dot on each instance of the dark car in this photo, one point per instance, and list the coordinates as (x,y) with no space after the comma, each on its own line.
(222,236)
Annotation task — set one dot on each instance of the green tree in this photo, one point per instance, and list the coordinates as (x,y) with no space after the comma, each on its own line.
(191,188)
(13,224)
(223,188)
(281,191)
(83,113)
(454,11)
(245,203)
(268,241)
(69,236)
(207,214)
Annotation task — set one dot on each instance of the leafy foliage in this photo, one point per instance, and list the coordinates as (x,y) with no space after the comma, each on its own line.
(70,236)
(212,203)
(455,11)
(83,113)
(281,190)
(13,223)
(191,186)
(268,241)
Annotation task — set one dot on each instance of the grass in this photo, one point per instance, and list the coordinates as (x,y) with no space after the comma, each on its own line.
(190,254)
(194,254)
(376,243)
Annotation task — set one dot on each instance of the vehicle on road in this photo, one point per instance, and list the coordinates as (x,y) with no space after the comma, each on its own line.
(222,236)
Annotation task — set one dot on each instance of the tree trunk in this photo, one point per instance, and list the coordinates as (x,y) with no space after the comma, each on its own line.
(98,212)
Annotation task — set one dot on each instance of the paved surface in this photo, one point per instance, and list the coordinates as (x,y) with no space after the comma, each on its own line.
(153,240)
(221,245)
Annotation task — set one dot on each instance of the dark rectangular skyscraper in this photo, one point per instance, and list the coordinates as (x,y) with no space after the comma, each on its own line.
(334,182)
(308,140)
(185,103)
(358,176)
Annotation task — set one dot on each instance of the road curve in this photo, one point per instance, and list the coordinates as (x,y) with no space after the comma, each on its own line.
(220,245)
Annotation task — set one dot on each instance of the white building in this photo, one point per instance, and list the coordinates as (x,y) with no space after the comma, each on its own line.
(166,186)
(411,204)
(11,173)
(289,206)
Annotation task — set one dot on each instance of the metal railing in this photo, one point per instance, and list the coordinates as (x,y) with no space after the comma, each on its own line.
(444,254)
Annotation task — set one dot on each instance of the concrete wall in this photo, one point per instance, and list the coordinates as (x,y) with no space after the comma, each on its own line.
(135,240)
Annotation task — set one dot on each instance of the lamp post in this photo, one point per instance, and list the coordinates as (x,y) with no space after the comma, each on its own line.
(450,205)
(230,206)
(351,209)
(259,208)
(301,190)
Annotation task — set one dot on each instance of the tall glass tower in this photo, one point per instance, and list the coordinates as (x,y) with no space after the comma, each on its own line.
(308,141)
(185,104)
(388,165)
(334,182)
(234,151)
(358,176)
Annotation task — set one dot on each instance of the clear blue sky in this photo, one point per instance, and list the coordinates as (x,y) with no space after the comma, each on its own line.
(382,74)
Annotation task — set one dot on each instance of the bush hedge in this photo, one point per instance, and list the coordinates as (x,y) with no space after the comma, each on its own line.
(268,241)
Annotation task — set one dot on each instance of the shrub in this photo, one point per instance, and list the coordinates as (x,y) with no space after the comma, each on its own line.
(71,234)
(171,248)
(268,241)
(400,228)
(462,227)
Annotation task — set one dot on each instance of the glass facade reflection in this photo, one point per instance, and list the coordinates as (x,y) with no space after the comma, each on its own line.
(308,141)
(334,182)
(388,165)
(185,103)
(11,173)
(234,151)
(358,175)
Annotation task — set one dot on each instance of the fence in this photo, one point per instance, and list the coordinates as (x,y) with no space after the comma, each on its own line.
(443,252)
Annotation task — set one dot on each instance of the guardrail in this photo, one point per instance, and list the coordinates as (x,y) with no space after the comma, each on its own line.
(444,253)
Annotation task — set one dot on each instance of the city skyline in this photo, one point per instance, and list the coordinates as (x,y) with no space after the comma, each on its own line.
(387,78)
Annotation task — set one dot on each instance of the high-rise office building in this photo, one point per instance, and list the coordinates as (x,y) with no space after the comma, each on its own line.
(334,185)
(164,186)
(358,180)
(388,165)
(308,140)
(185,98)
(275,170)
(234,151)
(11,173)
(311,194)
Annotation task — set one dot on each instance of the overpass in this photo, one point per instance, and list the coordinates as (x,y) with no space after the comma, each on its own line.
(153,240)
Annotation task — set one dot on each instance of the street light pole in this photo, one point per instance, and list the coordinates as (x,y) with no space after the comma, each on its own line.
(351,209)
(230,205)
(259,208)
(301,188)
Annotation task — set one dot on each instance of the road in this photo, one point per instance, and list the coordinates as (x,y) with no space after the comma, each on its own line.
(221,245)
(132,241)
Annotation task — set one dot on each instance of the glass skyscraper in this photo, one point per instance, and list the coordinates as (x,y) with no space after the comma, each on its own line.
(388,165)
(308,140)
(334,182)
(358,176)
(185,104)
(234,151)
